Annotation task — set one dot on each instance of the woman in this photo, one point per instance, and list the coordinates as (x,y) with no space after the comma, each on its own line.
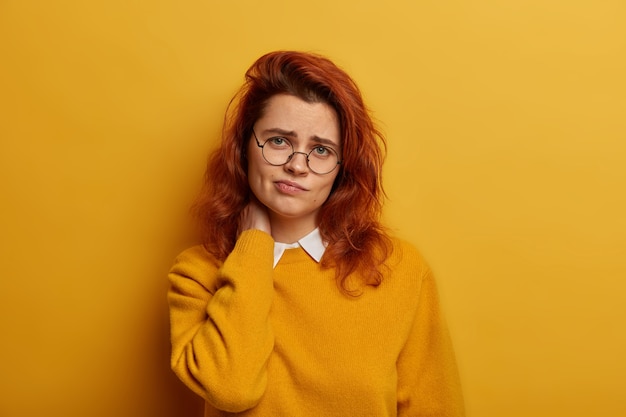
(299,303)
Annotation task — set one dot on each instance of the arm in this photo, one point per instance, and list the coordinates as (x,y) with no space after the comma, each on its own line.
(221,335)
(428,381)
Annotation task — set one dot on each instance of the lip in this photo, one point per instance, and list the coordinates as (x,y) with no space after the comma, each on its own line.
(289,187)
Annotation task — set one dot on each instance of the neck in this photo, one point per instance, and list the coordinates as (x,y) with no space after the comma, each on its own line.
(290,230)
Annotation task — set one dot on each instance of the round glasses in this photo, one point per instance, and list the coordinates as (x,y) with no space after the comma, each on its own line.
(277,151)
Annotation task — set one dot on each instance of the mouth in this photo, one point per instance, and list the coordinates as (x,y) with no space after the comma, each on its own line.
(289,186)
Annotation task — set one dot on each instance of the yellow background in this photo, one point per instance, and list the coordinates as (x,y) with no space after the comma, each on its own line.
(507,168)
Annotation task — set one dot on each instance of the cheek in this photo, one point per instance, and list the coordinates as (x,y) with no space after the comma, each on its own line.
(260,179)
(325,192)
(255,168)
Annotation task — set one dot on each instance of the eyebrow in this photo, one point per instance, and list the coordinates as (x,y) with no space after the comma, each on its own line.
(291,133)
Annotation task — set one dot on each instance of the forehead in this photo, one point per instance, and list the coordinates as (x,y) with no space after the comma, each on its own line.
(304,119)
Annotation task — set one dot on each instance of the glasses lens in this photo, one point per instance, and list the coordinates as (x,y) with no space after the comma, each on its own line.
(277,150)
(322,160)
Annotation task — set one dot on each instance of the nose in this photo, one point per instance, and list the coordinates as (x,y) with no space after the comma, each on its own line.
(297,165)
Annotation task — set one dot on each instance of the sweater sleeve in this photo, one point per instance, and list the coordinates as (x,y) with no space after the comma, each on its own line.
(428,380)
(220,331)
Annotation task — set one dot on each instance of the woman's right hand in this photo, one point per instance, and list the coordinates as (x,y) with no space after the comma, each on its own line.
(255,216)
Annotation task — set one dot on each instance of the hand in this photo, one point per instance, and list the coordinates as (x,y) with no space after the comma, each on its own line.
(255,216)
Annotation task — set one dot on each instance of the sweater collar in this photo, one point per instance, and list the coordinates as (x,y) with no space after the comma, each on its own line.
(311,243)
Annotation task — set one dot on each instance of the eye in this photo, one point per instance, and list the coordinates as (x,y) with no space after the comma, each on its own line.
(321,151)
(278,142)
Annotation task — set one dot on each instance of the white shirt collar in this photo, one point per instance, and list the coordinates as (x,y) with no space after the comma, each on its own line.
(311,243)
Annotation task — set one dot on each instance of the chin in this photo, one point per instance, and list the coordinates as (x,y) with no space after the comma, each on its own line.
(291,214)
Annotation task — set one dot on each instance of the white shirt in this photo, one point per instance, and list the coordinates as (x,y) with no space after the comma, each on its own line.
(311,243)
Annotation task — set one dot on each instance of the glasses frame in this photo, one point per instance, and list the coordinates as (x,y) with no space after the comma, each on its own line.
(258,143)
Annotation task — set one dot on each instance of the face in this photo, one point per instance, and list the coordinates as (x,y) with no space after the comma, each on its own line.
(292,193)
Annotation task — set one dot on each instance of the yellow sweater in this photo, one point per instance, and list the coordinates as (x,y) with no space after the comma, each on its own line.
(258,341)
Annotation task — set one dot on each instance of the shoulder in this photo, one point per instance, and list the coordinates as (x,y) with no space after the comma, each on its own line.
(407,277)
(405,256)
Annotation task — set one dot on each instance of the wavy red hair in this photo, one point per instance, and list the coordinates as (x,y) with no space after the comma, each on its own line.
(349,219)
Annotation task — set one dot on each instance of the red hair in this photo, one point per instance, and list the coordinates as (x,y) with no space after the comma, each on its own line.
(349,219)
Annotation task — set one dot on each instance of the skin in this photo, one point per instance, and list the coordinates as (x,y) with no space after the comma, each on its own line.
(289,197)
